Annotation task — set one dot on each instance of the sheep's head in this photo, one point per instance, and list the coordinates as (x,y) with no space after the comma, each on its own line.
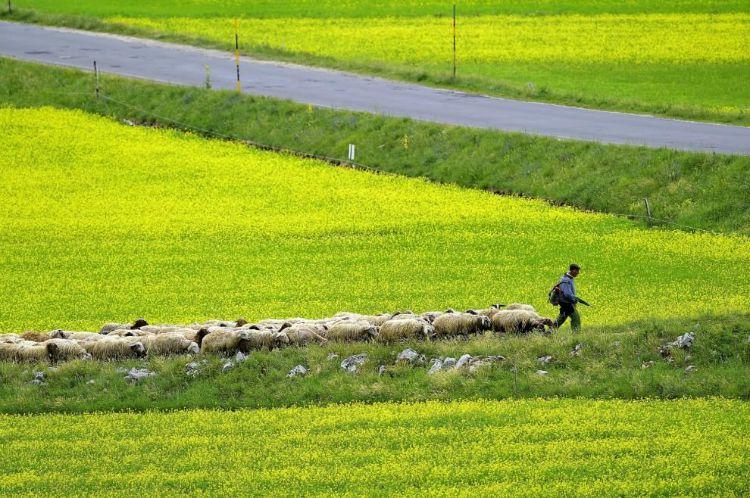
(372,332)
(472,312)
(58,334)
(139,349)
(280,338)
(193,348)
(139,323)
(200,335)
(450,310)
(485,323)
(429,332)
(240,322)
(53,350)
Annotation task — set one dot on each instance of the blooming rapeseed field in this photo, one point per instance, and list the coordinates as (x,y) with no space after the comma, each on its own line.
(104,222)
(519,447)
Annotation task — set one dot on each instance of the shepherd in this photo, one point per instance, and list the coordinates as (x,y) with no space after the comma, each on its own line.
(564,295)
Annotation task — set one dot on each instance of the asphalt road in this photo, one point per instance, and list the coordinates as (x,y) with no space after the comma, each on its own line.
(183,65)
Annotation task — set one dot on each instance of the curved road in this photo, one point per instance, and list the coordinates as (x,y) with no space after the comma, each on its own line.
(183,65)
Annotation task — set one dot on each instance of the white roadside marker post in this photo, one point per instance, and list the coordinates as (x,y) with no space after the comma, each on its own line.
(352,150)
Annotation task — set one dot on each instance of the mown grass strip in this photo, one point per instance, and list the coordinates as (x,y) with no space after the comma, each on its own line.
(527,448)
(707,191)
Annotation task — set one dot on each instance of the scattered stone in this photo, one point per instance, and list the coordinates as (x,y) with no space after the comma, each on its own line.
(121,370)
(240,357)
(685,341)
(437,365)
(449,363)
(616,344)
(352,363)
(91,382)
(688,357)
(495,358)
(299,370)
(137,374)
(37,382)
(381,370)
(192,369)
(647,364)
(332,356)
(542,372)
(690,368)
(411,357)
(128,122)
(545,359)
(476,364)
(463,361)
(39,375)
(227,366)
(577,350)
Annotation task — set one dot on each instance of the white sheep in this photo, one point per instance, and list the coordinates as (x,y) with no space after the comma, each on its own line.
(521,306)
(401,329)
(85,336)
(25,351)
(43,336)
(129,333)
(264,339)
(168,344)
(223,340)
(10,338)
(109,327)
(519,321)
(352,331)
(64,350)
(303,334)
(453,324)
(115,347)
(489,312)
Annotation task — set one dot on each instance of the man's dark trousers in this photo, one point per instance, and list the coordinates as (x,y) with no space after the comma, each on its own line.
(568,310)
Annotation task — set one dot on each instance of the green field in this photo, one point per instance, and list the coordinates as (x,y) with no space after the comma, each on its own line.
(525,448)
(679,58)
(103,222)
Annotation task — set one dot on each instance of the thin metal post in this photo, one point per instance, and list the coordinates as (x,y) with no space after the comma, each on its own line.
(96,80)
(10,7)
(237,53)
(454,41)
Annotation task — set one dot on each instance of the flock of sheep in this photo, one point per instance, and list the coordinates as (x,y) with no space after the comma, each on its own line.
(122,341)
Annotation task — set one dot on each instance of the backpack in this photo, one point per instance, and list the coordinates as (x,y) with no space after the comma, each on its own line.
(554,295)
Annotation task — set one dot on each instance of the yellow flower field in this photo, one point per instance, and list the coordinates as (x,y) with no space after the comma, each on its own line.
(103,222)
(521,447)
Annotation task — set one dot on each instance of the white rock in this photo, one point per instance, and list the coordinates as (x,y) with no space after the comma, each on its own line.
(542,372)
(352,363)
(463,361)
(299,370)
(137,374)
(691,368)
(332,356)
(437,365)
(545,359)
(449,363)
(410,356)
(227,366)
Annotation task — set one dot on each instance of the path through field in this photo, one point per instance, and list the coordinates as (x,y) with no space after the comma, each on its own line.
(185,65)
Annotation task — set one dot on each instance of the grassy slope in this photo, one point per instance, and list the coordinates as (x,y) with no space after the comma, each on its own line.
(130,221)
(616,68)
(530,448)
(703,190)
(610,366)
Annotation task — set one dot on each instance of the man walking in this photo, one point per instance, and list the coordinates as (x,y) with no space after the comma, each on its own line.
(568,299)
